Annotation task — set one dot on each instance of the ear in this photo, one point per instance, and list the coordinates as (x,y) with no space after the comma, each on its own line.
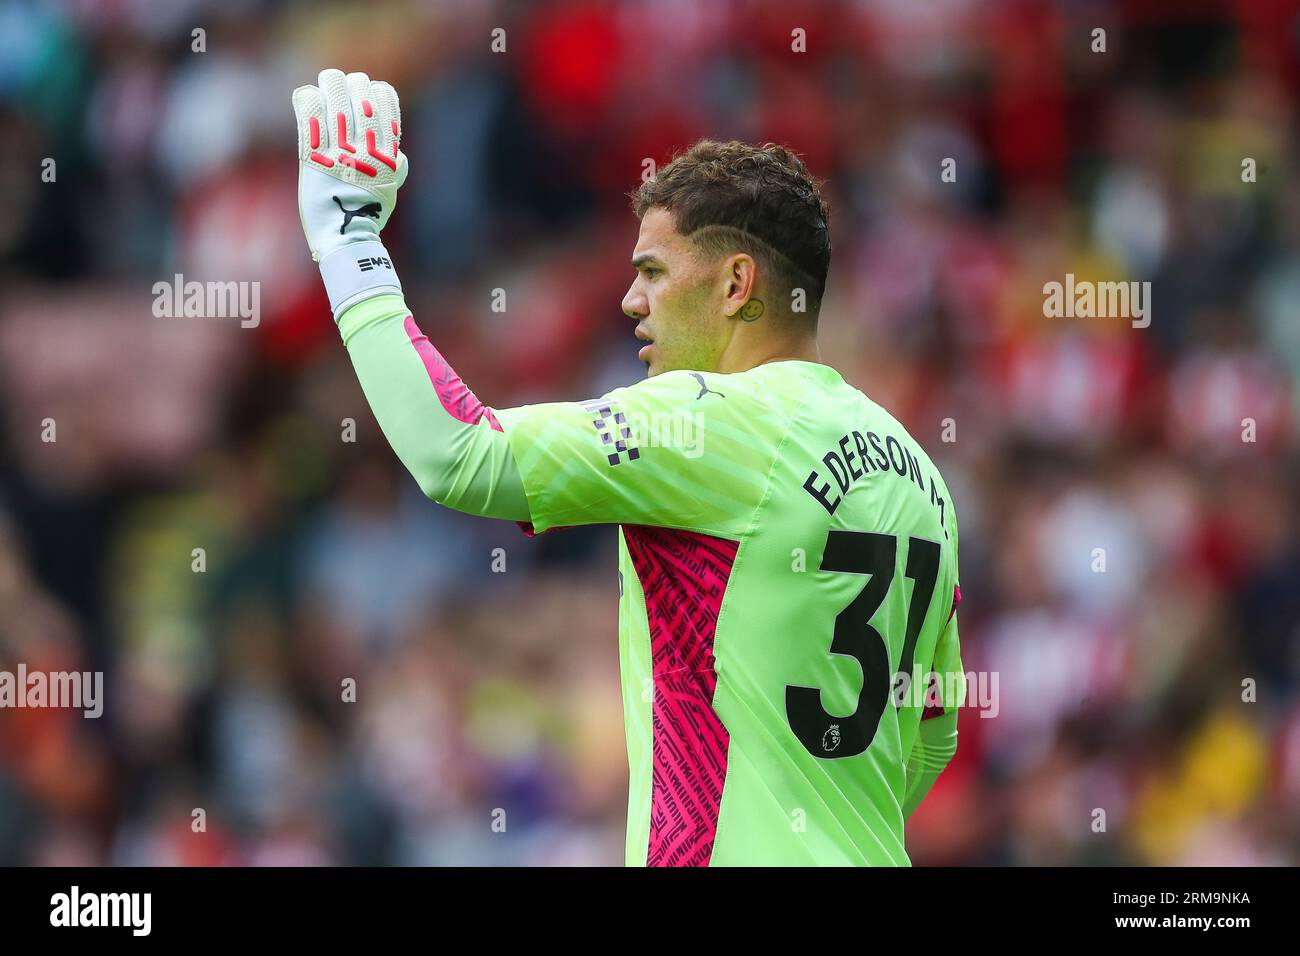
(740,282)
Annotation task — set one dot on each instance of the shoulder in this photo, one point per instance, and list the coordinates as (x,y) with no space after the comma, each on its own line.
(777,388)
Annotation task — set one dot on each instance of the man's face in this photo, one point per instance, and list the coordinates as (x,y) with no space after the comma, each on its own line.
(675,300)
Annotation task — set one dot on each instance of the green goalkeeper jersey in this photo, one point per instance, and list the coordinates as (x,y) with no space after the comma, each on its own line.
(787,574)
(787,553)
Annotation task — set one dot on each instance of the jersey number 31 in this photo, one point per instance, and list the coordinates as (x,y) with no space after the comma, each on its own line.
(862,552)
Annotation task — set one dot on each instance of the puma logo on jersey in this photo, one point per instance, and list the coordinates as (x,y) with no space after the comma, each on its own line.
(704,389)
(370,210)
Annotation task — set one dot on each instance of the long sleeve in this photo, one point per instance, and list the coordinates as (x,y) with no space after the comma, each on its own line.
(936,735)
(448,440)
(935,746)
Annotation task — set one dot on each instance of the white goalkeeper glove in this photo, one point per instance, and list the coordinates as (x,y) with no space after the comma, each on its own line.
(349,171)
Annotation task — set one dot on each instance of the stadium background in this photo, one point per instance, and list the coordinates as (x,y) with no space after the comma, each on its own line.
(479,690)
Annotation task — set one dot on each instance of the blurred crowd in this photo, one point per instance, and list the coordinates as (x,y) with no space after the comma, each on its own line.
(307,662)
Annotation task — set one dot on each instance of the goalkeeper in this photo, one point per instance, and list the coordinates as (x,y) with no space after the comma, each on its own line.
(788,578)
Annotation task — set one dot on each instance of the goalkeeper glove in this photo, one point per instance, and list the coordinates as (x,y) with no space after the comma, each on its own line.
(349,171)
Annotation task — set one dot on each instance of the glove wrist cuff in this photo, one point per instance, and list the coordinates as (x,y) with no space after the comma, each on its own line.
(356,272)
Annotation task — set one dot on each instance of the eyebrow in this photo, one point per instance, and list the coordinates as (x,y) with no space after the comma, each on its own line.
(643,258)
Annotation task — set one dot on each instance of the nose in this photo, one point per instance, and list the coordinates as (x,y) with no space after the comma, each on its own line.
(635,303)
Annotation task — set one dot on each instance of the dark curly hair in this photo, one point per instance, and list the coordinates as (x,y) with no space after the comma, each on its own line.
(731,197)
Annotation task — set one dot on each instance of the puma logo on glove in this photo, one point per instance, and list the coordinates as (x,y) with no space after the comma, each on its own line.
(370,210)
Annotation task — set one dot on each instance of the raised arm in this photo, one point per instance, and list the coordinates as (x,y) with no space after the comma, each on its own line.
(637,455)
(448,440)
(350,168)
